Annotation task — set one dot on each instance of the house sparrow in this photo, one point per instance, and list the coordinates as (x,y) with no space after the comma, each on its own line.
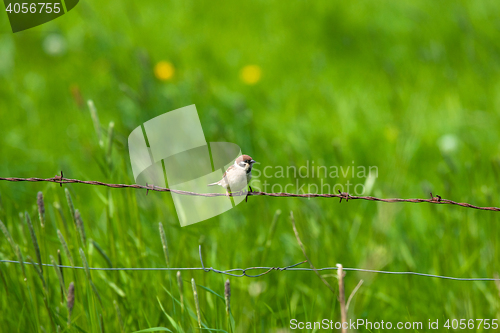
(237,176)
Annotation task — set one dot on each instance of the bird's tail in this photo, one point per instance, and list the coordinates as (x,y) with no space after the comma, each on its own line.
(216,183)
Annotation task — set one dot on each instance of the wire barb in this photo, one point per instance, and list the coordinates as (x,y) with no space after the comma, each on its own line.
(342,195)
(59,179)
(436,198)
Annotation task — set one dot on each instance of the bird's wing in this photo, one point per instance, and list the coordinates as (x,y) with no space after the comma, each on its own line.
(232,167)
(223,176)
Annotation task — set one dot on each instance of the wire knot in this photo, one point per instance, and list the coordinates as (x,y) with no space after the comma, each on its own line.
(344,195)
(147,188)
(59,179)
(436,198)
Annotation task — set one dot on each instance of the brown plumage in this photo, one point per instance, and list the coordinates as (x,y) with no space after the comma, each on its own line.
(238,175)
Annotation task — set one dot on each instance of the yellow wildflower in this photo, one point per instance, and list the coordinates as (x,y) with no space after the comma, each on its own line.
(251,74)
(164,70)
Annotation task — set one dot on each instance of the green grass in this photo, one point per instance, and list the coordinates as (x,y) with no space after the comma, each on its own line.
(378,83)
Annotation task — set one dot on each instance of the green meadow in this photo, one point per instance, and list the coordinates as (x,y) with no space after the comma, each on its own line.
(410,88)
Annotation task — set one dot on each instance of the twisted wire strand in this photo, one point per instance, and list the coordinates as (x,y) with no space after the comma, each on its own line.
(243,271)
(341,195)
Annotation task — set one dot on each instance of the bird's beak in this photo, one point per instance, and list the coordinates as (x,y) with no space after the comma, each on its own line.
(252,161)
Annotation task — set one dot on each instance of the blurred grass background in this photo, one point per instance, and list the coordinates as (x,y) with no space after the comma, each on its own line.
(412,88)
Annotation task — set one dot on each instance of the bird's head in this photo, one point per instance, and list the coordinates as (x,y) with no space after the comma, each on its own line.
(244,161)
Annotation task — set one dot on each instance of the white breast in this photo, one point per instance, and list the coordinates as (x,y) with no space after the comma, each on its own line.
(238,179)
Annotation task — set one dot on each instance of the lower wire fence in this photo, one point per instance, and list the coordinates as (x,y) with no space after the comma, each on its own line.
(231,272)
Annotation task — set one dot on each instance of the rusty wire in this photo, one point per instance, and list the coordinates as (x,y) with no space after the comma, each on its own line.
(341,195)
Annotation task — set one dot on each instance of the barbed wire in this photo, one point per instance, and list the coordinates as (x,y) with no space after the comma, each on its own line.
(243,271)
(341,195)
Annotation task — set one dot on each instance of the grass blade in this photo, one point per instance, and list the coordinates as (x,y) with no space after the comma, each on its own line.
(119,316)
(34,240)
(102,253)
(164,243)
(71,301)
(96,292)
(59,259)
(8,236)
(110,141)
(95,120)
(41,208)
(181,292)
(21,260)
(70,205)
(172,321)
(57,206)
(59,275)
(227,295)
(65,247)
(80,227)
(196,302)
(85,264)
(101,323)
(153,329)
(38,271)
(4,281)
(89,278)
